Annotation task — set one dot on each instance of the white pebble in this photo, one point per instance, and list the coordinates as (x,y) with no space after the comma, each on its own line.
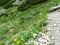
(41,44)
(48,29)
(52,37)
(47,38)
(35,43)
(42,33)
(34,35)
(49,18)
(54,24)
(42,40)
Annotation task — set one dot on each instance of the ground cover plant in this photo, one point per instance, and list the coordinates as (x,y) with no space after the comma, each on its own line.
(16,27)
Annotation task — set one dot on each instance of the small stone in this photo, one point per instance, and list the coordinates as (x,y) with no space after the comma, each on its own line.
(48,39)
(53,38)
(42,40)
(41,44)
(49,18)
(39,39)
(52,44)
(35,43)
(2,11)
(55,8)
(54,25)
(48,29)
(34,35)
(42,33)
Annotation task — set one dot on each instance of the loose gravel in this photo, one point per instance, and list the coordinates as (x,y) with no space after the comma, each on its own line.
(53,27)
(52,37)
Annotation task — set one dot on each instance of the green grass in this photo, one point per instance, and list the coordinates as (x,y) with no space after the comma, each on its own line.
(20,25)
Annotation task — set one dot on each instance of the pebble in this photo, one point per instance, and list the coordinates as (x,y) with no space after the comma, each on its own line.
(53,38)
(34,35)
(2,11)
(41,44)
(55,8)
(54,25)
(35,43)
(49,18)
(47,38)
(48,29)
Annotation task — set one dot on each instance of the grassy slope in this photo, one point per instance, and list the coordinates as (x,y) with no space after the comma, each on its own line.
(21,25)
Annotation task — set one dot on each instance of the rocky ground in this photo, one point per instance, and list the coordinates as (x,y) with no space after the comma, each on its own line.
(54,27)
(52,37)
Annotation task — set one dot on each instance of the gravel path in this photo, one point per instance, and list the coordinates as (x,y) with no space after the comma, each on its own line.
(53,27)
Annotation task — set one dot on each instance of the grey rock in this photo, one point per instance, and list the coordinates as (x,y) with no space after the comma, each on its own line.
(55,8)
(2,11)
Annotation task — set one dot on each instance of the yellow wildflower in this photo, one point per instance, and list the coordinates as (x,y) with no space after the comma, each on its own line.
(18,42)
(15,39)
(31,32)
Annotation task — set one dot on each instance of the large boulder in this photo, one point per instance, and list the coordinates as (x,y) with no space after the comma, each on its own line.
(34,1)
(23,6)
(27,4)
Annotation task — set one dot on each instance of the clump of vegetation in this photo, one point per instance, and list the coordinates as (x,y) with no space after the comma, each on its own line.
(16,27)
(2,2)
(9,4)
